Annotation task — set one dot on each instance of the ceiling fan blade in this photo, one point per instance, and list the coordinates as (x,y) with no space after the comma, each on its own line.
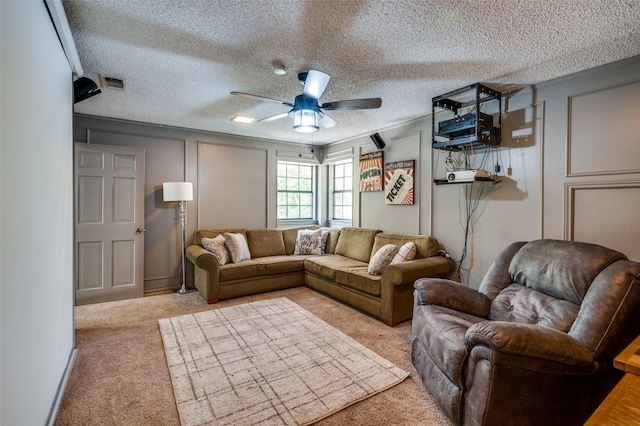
(315,84)
(368,103)
(261,98)
(274,117)
(326,121)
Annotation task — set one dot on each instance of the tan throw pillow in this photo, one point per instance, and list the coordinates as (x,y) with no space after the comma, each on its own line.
(382,259)
(217,248)
(406,252)
(308,242)
(237,246)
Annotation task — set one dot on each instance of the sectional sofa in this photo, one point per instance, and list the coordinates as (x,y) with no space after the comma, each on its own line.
(340,270)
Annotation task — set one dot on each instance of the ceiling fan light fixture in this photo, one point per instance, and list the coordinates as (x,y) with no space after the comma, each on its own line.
(305,121)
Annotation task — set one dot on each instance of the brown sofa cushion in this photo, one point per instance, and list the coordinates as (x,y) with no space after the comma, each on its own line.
(356,243)
(359,279)
(326,265)
(426,246)
(283,264)
(246,269)
(332,239)
(265,242)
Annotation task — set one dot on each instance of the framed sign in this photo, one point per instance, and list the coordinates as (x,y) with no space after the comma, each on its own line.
(398,182)
(371,172)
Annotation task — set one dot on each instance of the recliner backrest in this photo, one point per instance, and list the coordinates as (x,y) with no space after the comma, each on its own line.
(579,288)
(561,269)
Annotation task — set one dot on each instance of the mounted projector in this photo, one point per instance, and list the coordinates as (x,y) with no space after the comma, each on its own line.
(466,175)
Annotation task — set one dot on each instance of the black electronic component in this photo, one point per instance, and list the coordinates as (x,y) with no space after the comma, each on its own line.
(469,128)
(377,140)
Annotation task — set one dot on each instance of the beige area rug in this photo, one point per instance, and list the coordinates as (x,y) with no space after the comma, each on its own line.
(267,362)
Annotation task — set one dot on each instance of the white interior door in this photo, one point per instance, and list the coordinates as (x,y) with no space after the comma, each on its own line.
(109,222)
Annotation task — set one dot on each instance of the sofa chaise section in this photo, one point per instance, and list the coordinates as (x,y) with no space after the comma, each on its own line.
(388,296)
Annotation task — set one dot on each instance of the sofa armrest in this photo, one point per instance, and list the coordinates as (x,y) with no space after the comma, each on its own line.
(409,271)
(201,257)
(453,295)
(396,286)
(206,274)
(531,346)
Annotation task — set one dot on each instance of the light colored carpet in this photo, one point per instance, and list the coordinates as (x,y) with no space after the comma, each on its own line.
(121,377)
(267,362)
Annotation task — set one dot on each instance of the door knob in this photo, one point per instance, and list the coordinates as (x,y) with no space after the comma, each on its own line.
(139,231)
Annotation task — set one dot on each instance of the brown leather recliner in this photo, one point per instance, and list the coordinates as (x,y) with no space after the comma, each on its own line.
(535,344)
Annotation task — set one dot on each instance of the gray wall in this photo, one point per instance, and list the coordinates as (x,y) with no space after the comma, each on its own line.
(569,156)
(569,171)
(36,219)
(234,184)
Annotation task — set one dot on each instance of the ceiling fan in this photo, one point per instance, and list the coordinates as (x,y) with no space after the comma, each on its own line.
(306,112)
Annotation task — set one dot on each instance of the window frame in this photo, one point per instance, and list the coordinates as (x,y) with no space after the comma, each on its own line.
(312,193)
(347,166)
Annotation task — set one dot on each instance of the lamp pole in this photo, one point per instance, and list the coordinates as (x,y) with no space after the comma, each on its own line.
(183,218)
(181,192)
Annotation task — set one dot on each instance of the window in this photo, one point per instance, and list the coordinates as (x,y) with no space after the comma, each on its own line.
(295,191)
(342,190)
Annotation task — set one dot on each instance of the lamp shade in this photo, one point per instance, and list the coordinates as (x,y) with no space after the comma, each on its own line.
(177,191)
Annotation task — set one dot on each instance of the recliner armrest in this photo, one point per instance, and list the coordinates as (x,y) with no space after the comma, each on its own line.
(531,341)
(453,295)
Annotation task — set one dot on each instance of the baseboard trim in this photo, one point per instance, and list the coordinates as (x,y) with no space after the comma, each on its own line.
(61,388)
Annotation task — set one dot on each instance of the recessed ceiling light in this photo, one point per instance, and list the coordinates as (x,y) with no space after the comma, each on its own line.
(280,70)
(242,119)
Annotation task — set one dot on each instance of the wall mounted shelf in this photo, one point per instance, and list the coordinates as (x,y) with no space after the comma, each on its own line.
(493,180)
(469,128)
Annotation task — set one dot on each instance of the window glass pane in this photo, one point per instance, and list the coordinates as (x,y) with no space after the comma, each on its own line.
(282,183)
(293,198)
(305,212)
(304,199)
(305,185)
(292,212)
(292,184)
(292,170)
(342,190)
(305,172)
(346,212)
(282,212)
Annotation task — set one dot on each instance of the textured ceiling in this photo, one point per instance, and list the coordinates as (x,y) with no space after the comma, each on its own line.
(180,59)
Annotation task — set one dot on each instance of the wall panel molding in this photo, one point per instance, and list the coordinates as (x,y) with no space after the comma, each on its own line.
(598,212)
(232,185)
(599,120)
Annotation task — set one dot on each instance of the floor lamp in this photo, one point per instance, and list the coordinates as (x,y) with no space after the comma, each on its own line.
(182,192)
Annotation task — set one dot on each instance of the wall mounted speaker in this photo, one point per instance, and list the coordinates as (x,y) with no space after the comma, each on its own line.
(377,140)
(84,88)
